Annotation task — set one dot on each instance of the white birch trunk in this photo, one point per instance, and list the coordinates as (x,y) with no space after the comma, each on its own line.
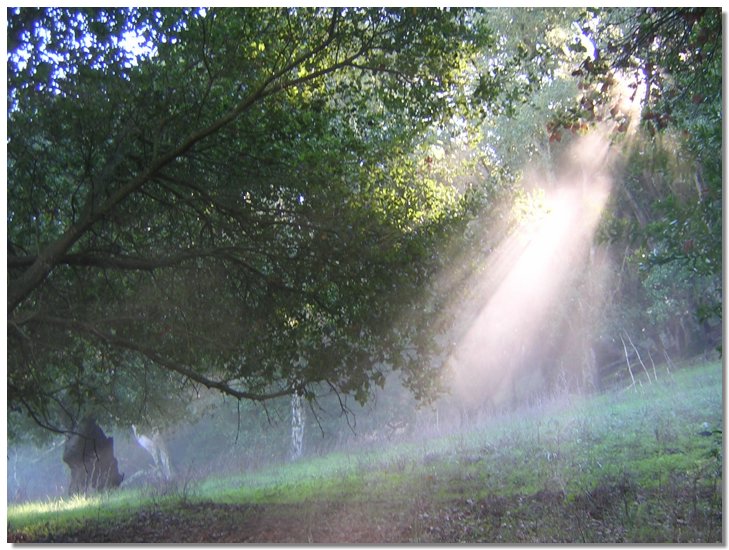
(298,419)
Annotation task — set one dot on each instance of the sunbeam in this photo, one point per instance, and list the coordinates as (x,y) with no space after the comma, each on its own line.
(530,274)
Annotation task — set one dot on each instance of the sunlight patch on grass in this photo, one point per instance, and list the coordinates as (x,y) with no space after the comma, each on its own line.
(57,514)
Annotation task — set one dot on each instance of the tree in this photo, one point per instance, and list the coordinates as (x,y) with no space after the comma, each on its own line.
(663,218)
(668,214)
(236,194)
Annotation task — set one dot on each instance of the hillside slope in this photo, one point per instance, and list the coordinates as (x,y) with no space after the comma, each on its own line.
(639,465)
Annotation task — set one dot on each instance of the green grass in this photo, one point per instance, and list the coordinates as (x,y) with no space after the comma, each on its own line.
(630,462)
(40,518)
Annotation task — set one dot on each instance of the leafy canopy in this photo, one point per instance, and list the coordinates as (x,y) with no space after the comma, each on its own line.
(236,203)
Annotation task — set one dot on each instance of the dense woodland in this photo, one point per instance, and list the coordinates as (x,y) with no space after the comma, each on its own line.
(293,208)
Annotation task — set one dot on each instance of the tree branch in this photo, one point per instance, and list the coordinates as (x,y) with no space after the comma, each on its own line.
(86,259)
(156,358)
(48,258)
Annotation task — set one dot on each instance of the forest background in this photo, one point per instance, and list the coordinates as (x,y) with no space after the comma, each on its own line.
(220,220)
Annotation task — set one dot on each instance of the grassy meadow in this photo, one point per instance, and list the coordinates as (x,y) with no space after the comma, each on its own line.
(642,464)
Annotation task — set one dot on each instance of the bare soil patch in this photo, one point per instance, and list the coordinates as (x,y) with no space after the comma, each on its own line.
(318,522)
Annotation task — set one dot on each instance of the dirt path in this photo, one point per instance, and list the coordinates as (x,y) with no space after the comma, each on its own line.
(317,522)
(543,517)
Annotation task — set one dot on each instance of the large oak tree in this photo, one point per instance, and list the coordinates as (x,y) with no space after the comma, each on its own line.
(236,202)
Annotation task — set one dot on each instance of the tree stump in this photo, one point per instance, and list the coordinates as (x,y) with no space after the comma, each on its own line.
(90,456)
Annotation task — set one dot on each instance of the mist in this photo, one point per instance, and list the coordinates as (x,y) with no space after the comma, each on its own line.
(221,439)
(526,313)
(531,283)
(521,332)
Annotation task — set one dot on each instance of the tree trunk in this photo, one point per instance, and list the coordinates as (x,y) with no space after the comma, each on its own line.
(298,419)
(89,454)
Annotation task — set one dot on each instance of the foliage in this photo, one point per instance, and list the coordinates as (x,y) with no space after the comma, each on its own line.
(664,221)
(688,229)
(268,201)
(235,205)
